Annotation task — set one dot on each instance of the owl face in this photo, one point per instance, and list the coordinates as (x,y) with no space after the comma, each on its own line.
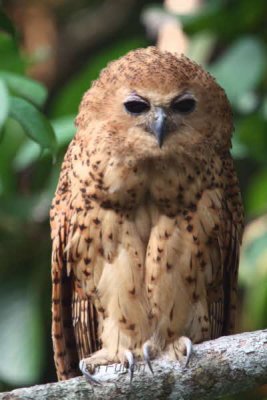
(156,102)
(160,117)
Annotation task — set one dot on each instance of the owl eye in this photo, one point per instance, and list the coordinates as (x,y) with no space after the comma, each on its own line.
(136,106)
(184,105)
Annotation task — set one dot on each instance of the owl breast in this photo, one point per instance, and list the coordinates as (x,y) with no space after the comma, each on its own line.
(168,184)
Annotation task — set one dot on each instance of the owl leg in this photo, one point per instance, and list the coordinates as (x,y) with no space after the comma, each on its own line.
(181,348)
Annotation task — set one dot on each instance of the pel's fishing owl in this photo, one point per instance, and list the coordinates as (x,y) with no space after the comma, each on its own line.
(147,218)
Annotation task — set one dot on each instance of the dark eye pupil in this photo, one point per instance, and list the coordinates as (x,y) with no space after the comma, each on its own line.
(184,106)
(136,107)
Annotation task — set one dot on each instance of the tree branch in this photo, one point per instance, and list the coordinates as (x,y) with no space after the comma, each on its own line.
(223,366)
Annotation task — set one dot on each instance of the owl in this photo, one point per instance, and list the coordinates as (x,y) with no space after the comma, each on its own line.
(147,218)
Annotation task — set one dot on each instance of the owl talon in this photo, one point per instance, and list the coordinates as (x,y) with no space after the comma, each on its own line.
(188,348)
(130,358)
(146,354)
(84,370)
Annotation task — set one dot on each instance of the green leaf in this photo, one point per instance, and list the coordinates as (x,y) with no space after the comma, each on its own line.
(13,136)
(27,154)
(4,101)
(240,68)
(27,88)
(64,128)
(34,123)
(30,151)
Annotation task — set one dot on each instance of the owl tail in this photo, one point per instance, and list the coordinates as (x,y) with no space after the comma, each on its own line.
(65,353)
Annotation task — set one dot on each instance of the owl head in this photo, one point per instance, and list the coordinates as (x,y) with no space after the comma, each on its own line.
(155,101)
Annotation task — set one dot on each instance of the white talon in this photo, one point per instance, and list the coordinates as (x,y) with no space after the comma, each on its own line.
(189,348)
(130,358)
(147,356)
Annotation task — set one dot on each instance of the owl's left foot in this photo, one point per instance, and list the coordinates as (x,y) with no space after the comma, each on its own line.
(180,349)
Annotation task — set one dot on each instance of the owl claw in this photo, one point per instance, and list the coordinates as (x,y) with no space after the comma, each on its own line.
(84,370)
(146,354)
(130,358)
(187,343)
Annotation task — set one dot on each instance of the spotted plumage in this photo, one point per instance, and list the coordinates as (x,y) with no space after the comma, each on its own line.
(147,217)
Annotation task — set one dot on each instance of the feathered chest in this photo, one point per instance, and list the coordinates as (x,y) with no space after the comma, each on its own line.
(172,184)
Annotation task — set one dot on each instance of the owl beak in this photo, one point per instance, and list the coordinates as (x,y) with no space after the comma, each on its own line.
(158,125)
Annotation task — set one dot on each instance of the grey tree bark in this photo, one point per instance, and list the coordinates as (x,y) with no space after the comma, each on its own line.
(219,367)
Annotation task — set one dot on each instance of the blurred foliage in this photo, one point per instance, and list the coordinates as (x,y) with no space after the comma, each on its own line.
(229,39)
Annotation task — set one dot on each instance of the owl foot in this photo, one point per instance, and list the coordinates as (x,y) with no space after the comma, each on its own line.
(85,371)
(181,348)
(88,365)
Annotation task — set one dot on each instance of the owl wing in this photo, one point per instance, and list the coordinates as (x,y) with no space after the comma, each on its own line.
(226,212)
(74,317)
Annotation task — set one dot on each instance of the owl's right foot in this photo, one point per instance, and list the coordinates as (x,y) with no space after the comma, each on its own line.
(85,370)
(88,366)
